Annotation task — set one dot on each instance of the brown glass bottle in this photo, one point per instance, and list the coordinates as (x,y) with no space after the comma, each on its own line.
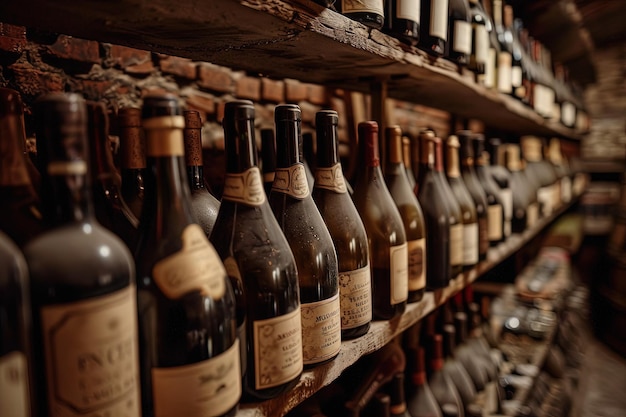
(420,398)
(203,205)
(20,215)
(434,26)
(480,38)
(459,45)
(410,211)
(495,208)
(256,253)
(408,165)
(402,20)
(346,229)
(525,207)
(502,178)
(132,158)
(369,12)
(309,239)
(187,315)
(384,227)
(268,159)
(82,280)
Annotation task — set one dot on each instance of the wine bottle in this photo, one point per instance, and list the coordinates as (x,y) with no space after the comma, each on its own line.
(525,207)
(397,404)
(20,215)
(408,165)
(110,208)
(434,26)
(84,305)
(475,189)
(132,158)
(495,212)
(436,215)
(464,199)
(501,177)
(187,316)
(346,230)
(256,254)
(512,45)
(308,158)
(538,172)
(480,38)
(16,392)
(203,205)
(505,57)
(369,12)
(459,46)
(474,366)
(410,211)
(402,20)
(381,405)
(310,242)
(441,385)
(420,399)
(556,158)
(454,369)
(385,230)
(268,158)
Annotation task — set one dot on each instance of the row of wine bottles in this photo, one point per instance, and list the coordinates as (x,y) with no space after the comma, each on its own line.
(483,36)
(230,297)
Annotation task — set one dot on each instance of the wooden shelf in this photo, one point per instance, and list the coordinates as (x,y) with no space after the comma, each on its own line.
(382,332)
(284,39)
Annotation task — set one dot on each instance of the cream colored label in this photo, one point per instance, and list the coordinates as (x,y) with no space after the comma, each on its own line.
(277,349)
(516,76)
(532,215)
(490,69)
(196,267)
(321,330)
(504,72)
(506,195)
(545,197)
(494,216)
(355,292)
(245,187)
(331,179)
(462,37)
(568,113)
(439,18)
(204,389)
(91,356)
(456,244)
(470,244)
(14,385)
(417,264)
(13,172)
(62,168)
(357,6)
(399,267)
(408,9)
(291,181)
(482,43)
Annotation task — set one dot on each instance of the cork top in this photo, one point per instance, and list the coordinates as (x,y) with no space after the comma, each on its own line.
(287,113)
(368,133)
(327,116)
(192,119)
(393,135)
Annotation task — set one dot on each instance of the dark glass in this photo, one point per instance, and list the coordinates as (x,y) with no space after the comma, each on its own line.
(433,26)
(511,44)
(459,45)
(502,178)
(78,269)
(492,70)
(310,242)
(525,207)
(455,370)
(346,229)
(15,333)
(268,158)
(436,215)
(410,211)
(110,208)
(371,12)
(384,227)
(20,215)
(397,406)
(203,205)
(504,39)
(443,388)
(132,158)
(256,254)
(495,211)
(474,366)
(308,157)
(420,400)
(380,405)
(408,165)
(402,20)
(464,199)
(480,38)
(187,316)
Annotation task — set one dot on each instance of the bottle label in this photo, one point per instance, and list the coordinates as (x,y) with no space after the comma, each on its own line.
(566,189)
(456,244)
(355,290)
(482,43)
(321,330)
(439,19)
(504,72)
(544,197)
(490,69)
(291,181)
(91,356)
(205,389)
(532,215)
(516,77)
(408,9)
(462,37)
(483,234)
(399,267)
(494,214)
(568,113)
(506,195)
(196,267)
(363,6)
(331,179)
(245,187)
(14,391)
(470,244)
(277,349)
(417,264)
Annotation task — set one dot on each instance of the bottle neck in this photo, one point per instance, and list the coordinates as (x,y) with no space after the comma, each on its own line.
(418,371)
(327,145)
(508,16)
(449,342)
(13,168)
(497,13)
(239,146)
(513,162)
(436,356)
(460,324)
(102,165)
(453,169)
(427,155)
(132,148)
(193,157)
(288,143)
(497,154)
(398,402)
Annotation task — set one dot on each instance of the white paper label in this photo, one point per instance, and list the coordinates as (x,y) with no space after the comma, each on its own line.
(532,215)
(439,19)
(357,6)
(417,264)
(204,389)
(545,196)
(504,72)
(482,43)
(331,179)
(462,37)
(277,349)
(566,189)
(568,114)
(470,244)
(245,187)
(506,195)
(321,330)
(355,292)
(456,244)
(490,69)
(399,258)
(494,215)
(516,76)
(408,9)
(14,391)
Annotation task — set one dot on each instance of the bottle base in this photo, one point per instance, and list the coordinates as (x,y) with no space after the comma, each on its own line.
(348,334)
